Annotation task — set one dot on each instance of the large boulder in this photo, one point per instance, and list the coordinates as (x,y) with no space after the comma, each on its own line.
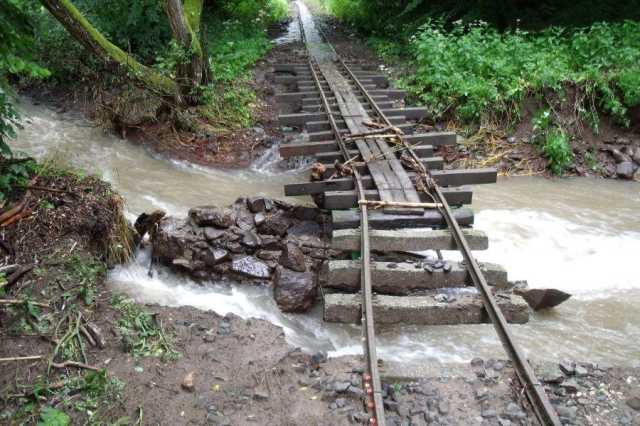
(212,216)
(294,291)
(293,258)
(172,239)
(625,170)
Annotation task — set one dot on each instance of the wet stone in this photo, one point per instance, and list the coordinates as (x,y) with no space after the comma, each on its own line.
(259,204)
(341,387)
(275,224)
(634,402)
(211,216)
(294,291)
(625,170)
(250,267)
(250,239)
(259,218)
(443,407)
(293,258)
(216,256)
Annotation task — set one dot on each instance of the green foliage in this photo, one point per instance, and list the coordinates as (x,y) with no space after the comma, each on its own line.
(475,72)
(15,58)
(49,416)
(552,141)
(557,150)
(15,174)
(86,273)
(142,334)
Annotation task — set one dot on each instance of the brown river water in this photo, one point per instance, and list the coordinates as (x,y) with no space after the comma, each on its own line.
(579,235)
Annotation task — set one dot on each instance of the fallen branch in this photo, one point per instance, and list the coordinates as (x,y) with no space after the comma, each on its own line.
(43,188)
(379,204)
(17,208)
(16,275)
(17,217)
(21,301)
(75,364)
(22,358)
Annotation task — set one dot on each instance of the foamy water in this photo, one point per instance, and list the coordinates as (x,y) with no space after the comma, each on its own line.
(578,235)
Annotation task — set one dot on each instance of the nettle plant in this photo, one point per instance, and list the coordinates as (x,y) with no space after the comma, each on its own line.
(553,141)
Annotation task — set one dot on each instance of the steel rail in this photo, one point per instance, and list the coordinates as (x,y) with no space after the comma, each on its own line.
(536,394)
(371,379)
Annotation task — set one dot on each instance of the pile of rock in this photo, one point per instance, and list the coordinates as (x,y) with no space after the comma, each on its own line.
(627,159)
(256,240)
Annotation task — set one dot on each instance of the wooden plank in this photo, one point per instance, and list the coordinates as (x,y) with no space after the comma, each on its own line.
(349,199)
(434,138)
(405,278)
(442,177)
(431,163)
(407,239)
(332,99)
(407,128)
(412,113)
(317,126)
(288,97)
(300,119)
(423,310)
(345,219)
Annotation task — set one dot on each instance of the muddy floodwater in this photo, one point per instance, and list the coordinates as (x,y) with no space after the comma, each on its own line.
(578,235)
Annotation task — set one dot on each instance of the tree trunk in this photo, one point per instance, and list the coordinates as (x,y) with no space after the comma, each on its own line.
(80,28)
(185,25)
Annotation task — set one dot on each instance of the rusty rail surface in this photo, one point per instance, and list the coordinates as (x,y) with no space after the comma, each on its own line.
(534,390)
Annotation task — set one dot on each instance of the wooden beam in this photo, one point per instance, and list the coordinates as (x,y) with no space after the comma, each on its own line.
(330,157)
(422,310)
(407,239)
(412,113)
(431,163)
(405,278)
(442,177)
(334,200)
(345,219)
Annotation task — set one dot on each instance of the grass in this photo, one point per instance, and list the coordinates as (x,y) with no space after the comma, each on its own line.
(142,333)
(90,395)
(473,72)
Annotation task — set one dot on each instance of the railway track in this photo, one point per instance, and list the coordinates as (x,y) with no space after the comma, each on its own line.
(377,173)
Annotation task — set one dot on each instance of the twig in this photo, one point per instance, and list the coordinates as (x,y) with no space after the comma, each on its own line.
(22,358)
(75,364)
(87,335)
(21,301)
(42,188)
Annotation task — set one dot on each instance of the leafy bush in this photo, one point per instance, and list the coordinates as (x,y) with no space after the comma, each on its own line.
(553,142)
(474,71)
(557,150)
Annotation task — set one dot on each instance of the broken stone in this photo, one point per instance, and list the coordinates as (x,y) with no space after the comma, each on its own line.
(293,258)
(294,291)
(216,256)
(250,267)
(250,239)
(634,402)
(212,234)
(187,382)
(275,224)
(211,216)
(259,204)
(259,218)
